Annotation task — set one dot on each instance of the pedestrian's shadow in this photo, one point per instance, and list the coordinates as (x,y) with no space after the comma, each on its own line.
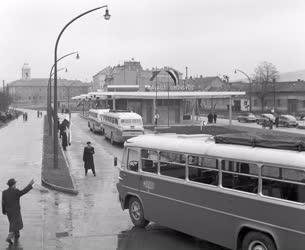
(15,246)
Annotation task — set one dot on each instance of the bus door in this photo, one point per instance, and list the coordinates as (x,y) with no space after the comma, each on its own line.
(129,176)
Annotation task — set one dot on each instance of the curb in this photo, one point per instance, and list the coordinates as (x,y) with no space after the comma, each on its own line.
(58,188)
(72,191)
(69,167)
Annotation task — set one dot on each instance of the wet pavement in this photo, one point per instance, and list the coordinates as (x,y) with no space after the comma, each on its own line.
(94,218)
(20,157)
(91,220)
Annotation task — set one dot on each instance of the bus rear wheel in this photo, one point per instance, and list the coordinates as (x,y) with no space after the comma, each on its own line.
(136,213)
(257,241)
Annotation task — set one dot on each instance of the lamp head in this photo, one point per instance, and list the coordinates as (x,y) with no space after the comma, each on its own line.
(107,15)
(77,56)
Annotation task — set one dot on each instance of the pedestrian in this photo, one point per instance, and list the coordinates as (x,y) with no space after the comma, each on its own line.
(64,139)
(37,113)
(276,121)
(88,158)
(202,125)
(156,117)
(11,208)
(210,118)
(215,117)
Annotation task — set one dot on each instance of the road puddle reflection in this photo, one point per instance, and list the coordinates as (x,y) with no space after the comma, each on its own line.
(157,237)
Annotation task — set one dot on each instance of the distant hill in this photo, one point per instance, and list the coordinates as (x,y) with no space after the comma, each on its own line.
(292,76)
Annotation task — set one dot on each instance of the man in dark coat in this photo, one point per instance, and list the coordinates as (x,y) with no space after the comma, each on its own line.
(88,158)
(215,117)
(64,140)
(210,118)
(11,208)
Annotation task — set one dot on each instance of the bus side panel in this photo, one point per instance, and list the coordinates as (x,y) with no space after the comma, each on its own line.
(213,214)
(178,206)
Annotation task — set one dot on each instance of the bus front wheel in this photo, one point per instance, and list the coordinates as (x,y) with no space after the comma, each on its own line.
(257,241)
(136,213)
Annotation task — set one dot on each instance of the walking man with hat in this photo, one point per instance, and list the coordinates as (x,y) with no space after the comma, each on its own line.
(88,158)
(11,208)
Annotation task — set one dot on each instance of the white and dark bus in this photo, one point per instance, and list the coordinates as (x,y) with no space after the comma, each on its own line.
(120,125)
(95,120)
(240,197)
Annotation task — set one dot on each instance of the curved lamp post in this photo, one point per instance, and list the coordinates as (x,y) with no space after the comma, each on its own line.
(250,85)
(55,127)
(49,89)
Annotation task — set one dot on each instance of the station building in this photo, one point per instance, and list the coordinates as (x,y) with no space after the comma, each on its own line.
(172,107)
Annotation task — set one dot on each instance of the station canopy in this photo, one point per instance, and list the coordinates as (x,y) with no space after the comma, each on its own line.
(159,94)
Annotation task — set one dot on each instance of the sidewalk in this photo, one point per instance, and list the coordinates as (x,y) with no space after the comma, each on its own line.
(93,219)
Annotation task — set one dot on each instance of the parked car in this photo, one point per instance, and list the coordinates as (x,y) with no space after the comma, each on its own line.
(247,117)
(301,123)
(265,117)
(287,121)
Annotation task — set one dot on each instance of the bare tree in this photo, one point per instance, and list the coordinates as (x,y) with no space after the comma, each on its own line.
(264,74)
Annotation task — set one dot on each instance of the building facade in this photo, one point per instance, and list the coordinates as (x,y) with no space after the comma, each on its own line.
(29,91)
(132,73)
(99,79)
(282,97)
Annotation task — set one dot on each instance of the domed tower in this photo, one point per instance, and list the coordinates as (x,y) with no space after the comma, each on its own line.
(26,72)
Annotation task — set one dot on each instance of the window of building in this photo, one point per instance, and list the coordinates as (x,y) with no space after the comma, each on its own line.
(241,176)
(283,183)
(132,160)
(149,161)
(172,164)
(203,170)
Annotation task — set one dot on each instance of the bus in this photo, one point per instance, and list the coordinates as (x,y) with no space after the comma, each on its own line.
(94,120)
(120,125)
(236,196)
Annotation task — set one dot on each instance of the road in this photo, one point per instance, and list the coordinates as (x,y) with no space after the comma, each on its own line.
(254,125)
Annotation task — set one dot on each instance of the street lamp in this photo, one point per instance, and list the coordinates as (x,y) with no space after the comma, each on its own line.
(49,88)
(55,128)
(250,85)
(49,101)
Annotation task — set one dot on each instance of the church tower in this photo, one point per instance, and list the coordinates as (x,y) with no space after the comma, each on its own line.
(26,72)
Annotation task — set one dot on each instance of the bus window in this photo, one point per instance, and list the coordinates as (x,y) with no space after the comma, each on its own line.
(199,170)
(133,157)
(149,161)
(242,177)
(172,164)
(282,183)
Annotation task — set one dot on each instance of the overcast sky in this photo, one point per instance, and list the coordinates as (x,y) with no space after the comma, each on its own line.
(211,37)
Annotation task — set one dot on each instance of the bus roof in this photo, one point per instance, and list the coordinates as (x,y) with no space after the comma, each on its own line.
(205,145)
(99,111)
(124,115)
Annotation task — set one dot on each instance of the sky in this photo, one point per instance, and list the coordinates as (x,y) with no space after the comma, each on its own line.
(210,37)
